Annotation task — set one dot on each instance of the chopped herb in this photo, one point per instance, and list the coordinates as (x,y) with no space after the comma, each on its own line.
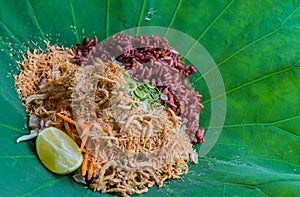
(145,93)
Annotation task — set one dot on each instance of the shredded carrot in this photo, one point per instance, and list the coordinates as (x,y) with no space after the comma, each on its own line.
(65,118)
(68,130)
(84,165)
(90,170)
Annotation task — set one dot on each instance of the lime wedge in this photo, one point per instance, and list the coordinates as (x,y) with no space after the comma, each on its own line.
(57,151)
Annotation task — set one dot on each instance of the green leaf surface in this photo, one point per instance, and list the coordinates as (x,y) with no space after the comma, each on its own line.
(255,45)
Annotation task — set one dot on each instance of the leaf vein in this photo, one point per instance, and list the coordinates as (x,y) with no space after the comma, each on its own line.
(74,21)
(248,45)
(174,13)
(11,128)
(215,20)
(209,26)
(251,82)
(35,20)
(9,31)
(17,156)
(47,184)
(220,182)
(236,53)
(107,19)
(286,131)
(141,13)
(256,124)
(9,93)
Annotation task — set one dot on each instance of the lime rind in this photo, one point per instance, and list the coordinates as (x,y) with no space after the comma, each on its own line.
(57,151)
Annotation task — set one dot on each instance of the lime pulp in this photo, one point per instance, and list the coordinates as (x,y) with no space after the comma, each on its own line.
(57,151)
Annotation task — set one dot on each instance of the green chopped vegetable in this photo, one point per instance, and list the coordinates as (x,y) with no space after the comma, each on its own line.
(145,93)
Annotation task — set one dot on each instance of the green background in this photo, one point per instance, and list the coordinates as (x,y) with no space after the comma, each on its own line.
(255,45)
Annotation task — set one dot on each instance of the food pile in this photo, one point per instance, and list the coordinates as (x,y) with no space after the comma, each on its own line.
(151,59)
(125,102)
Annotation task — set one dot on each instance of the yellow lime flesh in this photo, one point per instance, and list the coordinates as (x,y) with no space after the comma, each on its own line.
(57,151)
